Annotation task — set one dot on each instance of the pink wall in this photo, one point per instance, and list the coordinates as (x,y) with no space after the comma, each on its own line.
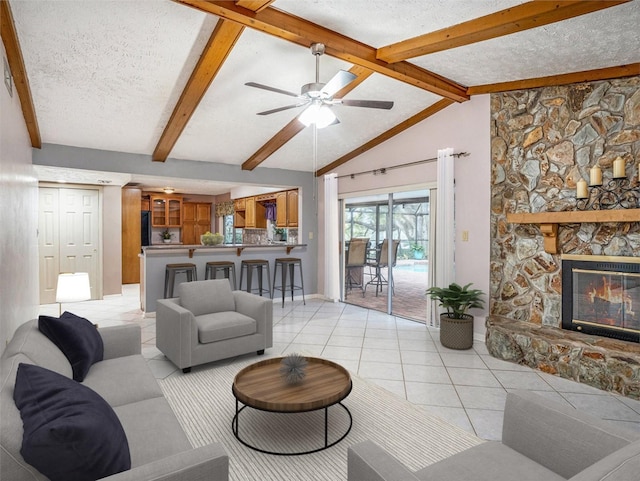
(18,217)
(464,127)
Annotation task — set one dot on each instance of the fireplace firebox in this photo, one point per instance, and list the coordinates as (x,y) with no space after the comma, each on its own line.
(601,296)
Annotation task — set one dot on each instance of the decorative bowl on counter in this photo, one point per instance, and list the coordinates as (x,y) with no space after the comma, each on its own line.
(210,239)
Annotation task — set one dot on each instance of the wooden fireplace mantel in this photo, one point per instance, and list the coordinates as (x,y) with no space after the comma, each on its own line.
(549,221)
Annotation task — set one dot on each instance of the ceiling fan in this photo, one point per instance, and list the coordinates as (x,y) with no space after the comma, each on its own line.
(318,97)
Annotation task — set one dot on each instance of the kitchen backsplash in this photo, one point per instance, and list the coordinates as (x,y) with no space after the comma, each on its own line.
(260,236)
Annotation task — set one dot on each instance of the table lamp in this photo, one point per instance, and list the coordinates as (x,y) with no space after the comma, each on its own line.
(73,287)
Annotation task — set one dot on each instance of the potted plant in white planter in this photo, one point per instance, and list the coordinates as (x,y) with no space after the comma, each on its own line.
(456,326)
(418,251)
(166,236)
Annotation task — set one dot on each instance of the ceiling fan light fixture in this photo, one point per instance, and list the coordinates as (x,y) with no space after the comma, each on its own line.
(319,114)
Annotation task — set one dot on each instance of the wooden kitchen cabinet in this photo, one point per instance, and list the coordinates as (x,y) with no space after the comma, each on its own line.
(292,208)
(255,214)
(287,208)
(166,211)
(281,209)
(196,220)
(249,214)
(239,213)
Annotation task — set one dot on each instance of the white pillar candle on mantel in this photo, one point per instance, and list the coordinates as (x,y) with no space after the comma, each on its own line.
(618,168)
(581,189)
(595,175)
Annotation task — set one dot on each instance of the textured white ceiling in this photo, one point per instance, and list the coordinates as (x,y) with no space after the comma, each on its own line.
(106,74)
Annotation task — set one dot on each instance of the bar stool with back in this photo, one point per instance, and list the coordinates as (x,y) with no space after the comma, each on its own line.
(382,260)
(356,260)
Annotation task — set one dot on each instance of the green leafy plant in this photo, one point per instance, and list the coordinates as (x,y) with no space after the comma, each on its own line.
(166,234)
(417,248)
(456,299)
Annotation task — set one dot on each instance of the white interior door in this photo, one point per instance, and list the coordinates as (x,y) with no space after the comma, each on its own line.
(48,244)
(69,238)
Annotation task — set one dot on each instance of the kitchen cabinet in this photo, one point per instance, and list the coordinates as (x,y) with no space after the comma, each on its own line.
(196,220)
(249,214)
(255,214)
(166,211)
(292,208)
(239,213)
(287,208)
(131,239)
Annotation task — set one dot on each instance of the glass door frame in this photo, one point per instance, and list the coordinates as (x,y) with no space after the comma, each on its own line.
(343,199)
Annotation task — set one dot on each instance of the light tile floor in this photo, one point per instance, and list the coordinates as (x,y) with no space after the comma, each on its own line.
(467,388)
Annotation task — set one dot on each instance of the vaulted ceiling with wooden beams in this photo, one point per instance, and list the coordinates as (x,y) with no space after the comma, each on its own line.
(167,78)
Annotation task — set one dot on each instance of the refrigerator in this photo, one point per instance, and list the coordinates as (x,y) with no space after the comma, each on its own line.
(146,227)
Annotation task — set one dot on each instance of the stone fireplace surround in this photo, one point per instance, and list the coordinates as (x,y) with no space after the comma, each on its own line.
(543,141)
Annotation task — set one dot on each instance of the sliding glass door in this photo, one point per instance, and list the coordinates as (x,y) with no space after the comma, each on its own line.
(393,277)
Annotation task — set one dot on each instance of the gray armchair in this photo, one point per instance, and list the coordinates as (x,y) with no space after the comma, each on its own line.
(541,440)
(209,321)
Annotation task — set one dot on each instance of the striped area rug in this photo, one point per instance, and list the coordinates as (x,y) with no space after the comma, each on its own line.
(205,406)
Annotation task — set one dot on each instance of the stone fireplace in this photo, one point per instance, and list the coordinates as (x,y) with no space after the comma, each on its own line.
(543,141)
(601,296)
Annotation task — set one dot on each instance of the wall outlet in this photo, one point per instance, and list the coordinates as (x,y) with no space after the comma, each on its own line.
(310,235)
(465,236)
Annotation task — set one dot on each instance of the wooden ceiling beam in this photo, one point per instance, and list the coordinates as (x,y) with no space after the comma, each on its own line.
(254,5)
(302,32)
(511,20)
(401,127)
(562,79)
(294,127)
(224,37)
(19,72)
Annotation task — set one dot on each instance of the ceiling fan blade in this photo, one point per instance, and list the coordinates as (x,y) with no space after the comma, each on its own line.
(280,109)
(371,104)
(339,80)
(272,89)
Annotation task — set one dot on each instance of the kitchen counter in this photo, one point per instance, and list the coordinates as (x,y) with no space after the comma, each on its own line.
(154,259)
(222,246)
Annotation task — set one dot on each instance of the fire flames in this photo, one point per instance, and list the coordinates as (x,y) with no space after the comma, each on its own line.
(613,295)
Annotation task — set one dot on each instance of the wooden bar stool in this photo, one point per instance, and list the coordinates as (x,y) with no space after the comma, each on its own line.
(287,264)
(258,264)
(228,268)
(170,276)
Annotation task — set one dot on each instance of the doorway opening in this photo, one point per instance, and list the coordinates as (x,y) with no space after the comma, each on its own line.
(393,275)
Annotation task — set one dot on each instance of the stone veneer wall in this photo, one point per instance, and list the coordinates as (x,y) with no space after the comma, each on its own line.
(543,141)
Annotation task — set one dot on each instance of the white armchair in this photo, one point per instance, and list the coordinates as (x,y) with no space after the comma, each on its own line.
(209,321)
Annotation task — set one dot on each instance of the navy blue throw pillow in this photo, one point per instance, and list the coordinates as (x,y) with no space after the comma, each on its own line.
(77,338)
(70,432)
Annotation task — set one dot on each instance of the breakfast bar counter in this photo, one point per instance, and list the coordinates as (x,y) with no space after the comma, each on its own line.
(154,259)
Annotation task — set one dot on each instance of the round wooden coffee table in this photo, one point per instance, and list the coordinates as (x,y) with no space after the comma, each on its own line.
(261,386)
